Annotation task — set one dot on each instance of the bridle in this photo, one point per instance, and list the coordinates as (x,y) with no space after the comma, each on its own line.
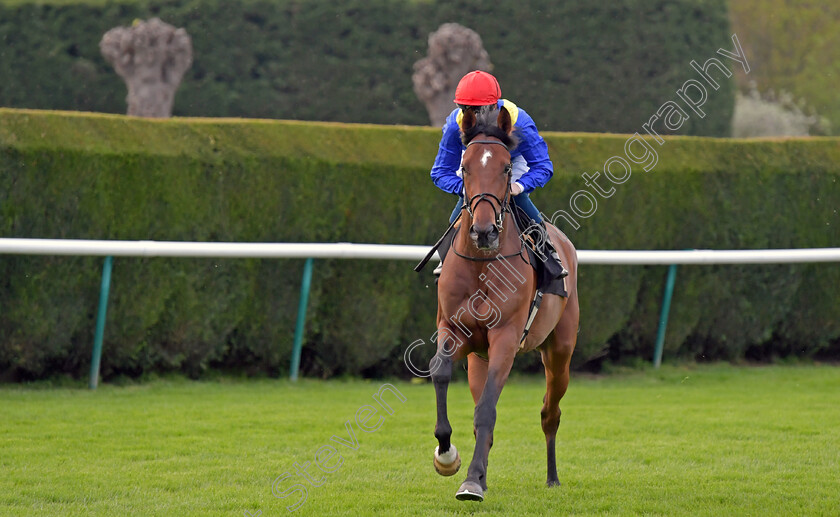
(503,204)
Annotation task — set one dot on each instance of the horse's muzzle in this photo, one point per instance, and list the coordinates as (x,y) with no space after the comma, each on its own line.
(485,237)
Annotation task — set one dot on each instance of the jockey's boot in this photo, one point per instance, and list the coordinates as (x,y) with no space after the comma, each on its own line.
(553,263)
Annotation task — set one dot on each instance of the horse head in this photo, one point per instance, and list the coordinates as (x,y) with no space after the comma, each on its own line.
(486,169)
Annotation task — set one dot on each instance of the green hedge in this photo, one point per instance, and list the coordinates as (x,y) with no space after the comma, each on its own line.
(602,66)
(82,176)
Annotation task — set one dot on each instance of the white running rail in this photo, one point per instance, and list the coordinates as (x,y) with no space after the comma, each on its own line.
(346,250)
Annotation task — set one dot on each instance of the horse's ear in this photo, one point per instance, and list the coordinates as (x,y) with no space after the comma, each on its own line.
(504,121)
(467,120)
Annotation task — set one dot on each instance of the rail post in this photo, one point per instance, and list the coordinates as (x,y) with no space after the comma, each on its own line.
(100,321)
(301,318)
(663,315)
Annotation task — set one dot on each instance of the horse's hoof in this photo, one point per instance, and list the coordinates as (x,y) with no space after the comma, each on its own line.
(448,463)
(551,483)
(470,491)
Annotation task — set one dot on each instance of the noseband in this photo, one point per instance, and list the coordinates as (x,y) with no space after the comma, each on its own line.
(473,202)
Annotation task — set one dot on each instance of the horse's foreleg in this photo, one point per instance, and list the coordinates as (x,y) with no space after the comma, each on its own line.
(446,461)
(441,377)
(556,356)
(498,369)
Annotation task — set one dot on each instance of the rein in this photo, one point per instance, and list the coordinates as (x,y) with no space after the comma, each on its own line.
(504,207)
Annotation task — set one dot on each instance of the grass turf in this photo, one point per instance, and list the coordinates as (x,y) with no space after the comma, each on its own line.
(699,440)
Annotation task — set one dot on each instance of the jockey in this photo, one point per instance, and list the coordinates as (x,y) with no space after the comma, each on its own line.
(479,91)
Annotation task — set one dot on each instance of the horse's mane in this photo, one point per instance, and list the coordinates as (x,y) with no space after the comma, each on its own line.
(486,125)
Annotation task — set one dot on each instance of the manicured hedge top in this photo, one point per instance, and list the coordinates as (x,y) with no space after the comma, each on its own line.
(213,137)
(401,145)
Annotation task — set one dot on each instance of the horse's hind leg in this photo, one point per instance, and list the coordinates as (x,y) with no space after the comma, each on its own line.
(556,356)
(477,375)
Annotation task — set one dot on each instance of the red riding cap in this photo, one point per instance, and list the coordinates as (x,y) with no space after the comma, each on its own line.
(477,89)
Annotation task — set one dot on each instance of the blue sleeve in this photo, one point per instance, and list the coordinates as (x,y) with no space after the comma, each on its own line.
(533,148)
(448,160)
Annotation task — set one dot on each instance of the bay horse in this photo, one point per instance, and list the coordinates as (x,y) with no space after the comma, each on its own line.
(482,316)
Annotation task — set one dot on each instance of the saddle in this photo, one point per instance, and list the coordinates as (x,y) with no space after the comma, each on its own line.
(534,238)
(537,243)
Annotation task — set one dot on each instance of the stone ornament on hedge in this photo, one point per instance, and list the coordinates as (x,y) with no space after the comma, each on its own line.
(454,50)
(151,57)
